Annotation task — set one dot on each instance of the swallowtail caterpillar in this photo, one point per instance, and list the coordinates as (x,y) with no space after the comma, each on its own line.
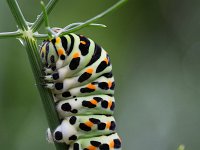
(79,74)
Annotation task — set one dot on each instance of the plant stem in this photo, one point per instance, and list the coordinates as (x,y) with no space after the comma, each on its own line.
(40,19)
(46,96)
(16,34)
(80,23)
(86,23)
(16,11)
(46,20)
(30,43)
(46,36)
(40,36)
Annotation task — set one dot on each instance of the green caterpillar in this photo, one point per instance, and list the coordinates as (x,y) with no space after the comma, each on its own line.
(79,74)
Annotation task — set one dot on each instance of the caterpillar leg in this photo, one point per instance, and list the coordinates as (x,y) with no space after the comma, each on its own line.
(106,142)
(49,70)
(80,127)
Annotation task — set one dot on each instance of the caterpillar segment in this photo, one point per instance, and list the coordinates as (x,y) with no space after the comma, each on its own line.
(79,127)
(79,74)
(89,105)
(102,85)
(105,142)
(89,72)
(69,83)
(71,60)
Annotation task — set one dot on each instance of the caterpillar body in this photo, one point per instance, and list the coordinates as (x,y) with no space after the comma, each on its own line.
(79,74)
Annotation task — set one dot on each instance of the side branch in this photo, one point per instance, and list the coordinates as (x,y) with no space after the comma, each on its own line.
(86,23)
(16,34)
(40,19)
(17,13)
(46,36)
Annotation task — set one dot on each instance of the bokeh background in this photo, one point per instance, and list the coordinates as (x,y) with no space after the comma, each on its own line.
(155,49)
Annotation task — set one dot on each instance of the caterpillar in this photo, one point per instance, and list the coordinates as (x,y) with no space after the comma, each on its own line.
(79,73)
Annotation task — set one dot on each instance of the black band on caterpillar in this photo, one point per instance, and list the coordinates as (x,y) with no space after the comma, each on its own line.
(79,74)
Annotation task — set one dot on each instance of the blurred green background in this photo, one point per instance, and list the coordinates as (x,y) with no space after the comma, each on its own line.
(155,49)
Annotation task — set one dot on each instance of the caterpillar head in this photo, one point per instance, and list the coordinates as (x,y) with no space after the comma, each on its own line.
(52,49)
(48,53)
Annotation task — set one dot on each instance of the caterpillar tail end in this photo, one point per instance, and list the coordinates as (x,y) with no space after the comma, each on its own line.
(49,136)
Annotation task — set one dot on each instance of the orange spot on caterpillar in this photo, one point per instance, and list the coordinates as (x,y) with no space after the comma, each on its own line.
(108,124)
(109,84)
(83,42)
(91,86)
(60,51)
(109,103)
(76,55)
(106,60)
(89,70)
(93,102)
(89,123)
(112,144)
(58,40)
(91,147)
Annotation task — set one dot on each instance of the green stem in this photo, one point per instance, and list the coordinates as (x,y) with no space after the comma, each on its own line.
(40,36)
(46,20)
(40,19)
(46,36)
(46,96)
(16,34)
(80,23)
(16,11)
(30,44)
(86,23)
